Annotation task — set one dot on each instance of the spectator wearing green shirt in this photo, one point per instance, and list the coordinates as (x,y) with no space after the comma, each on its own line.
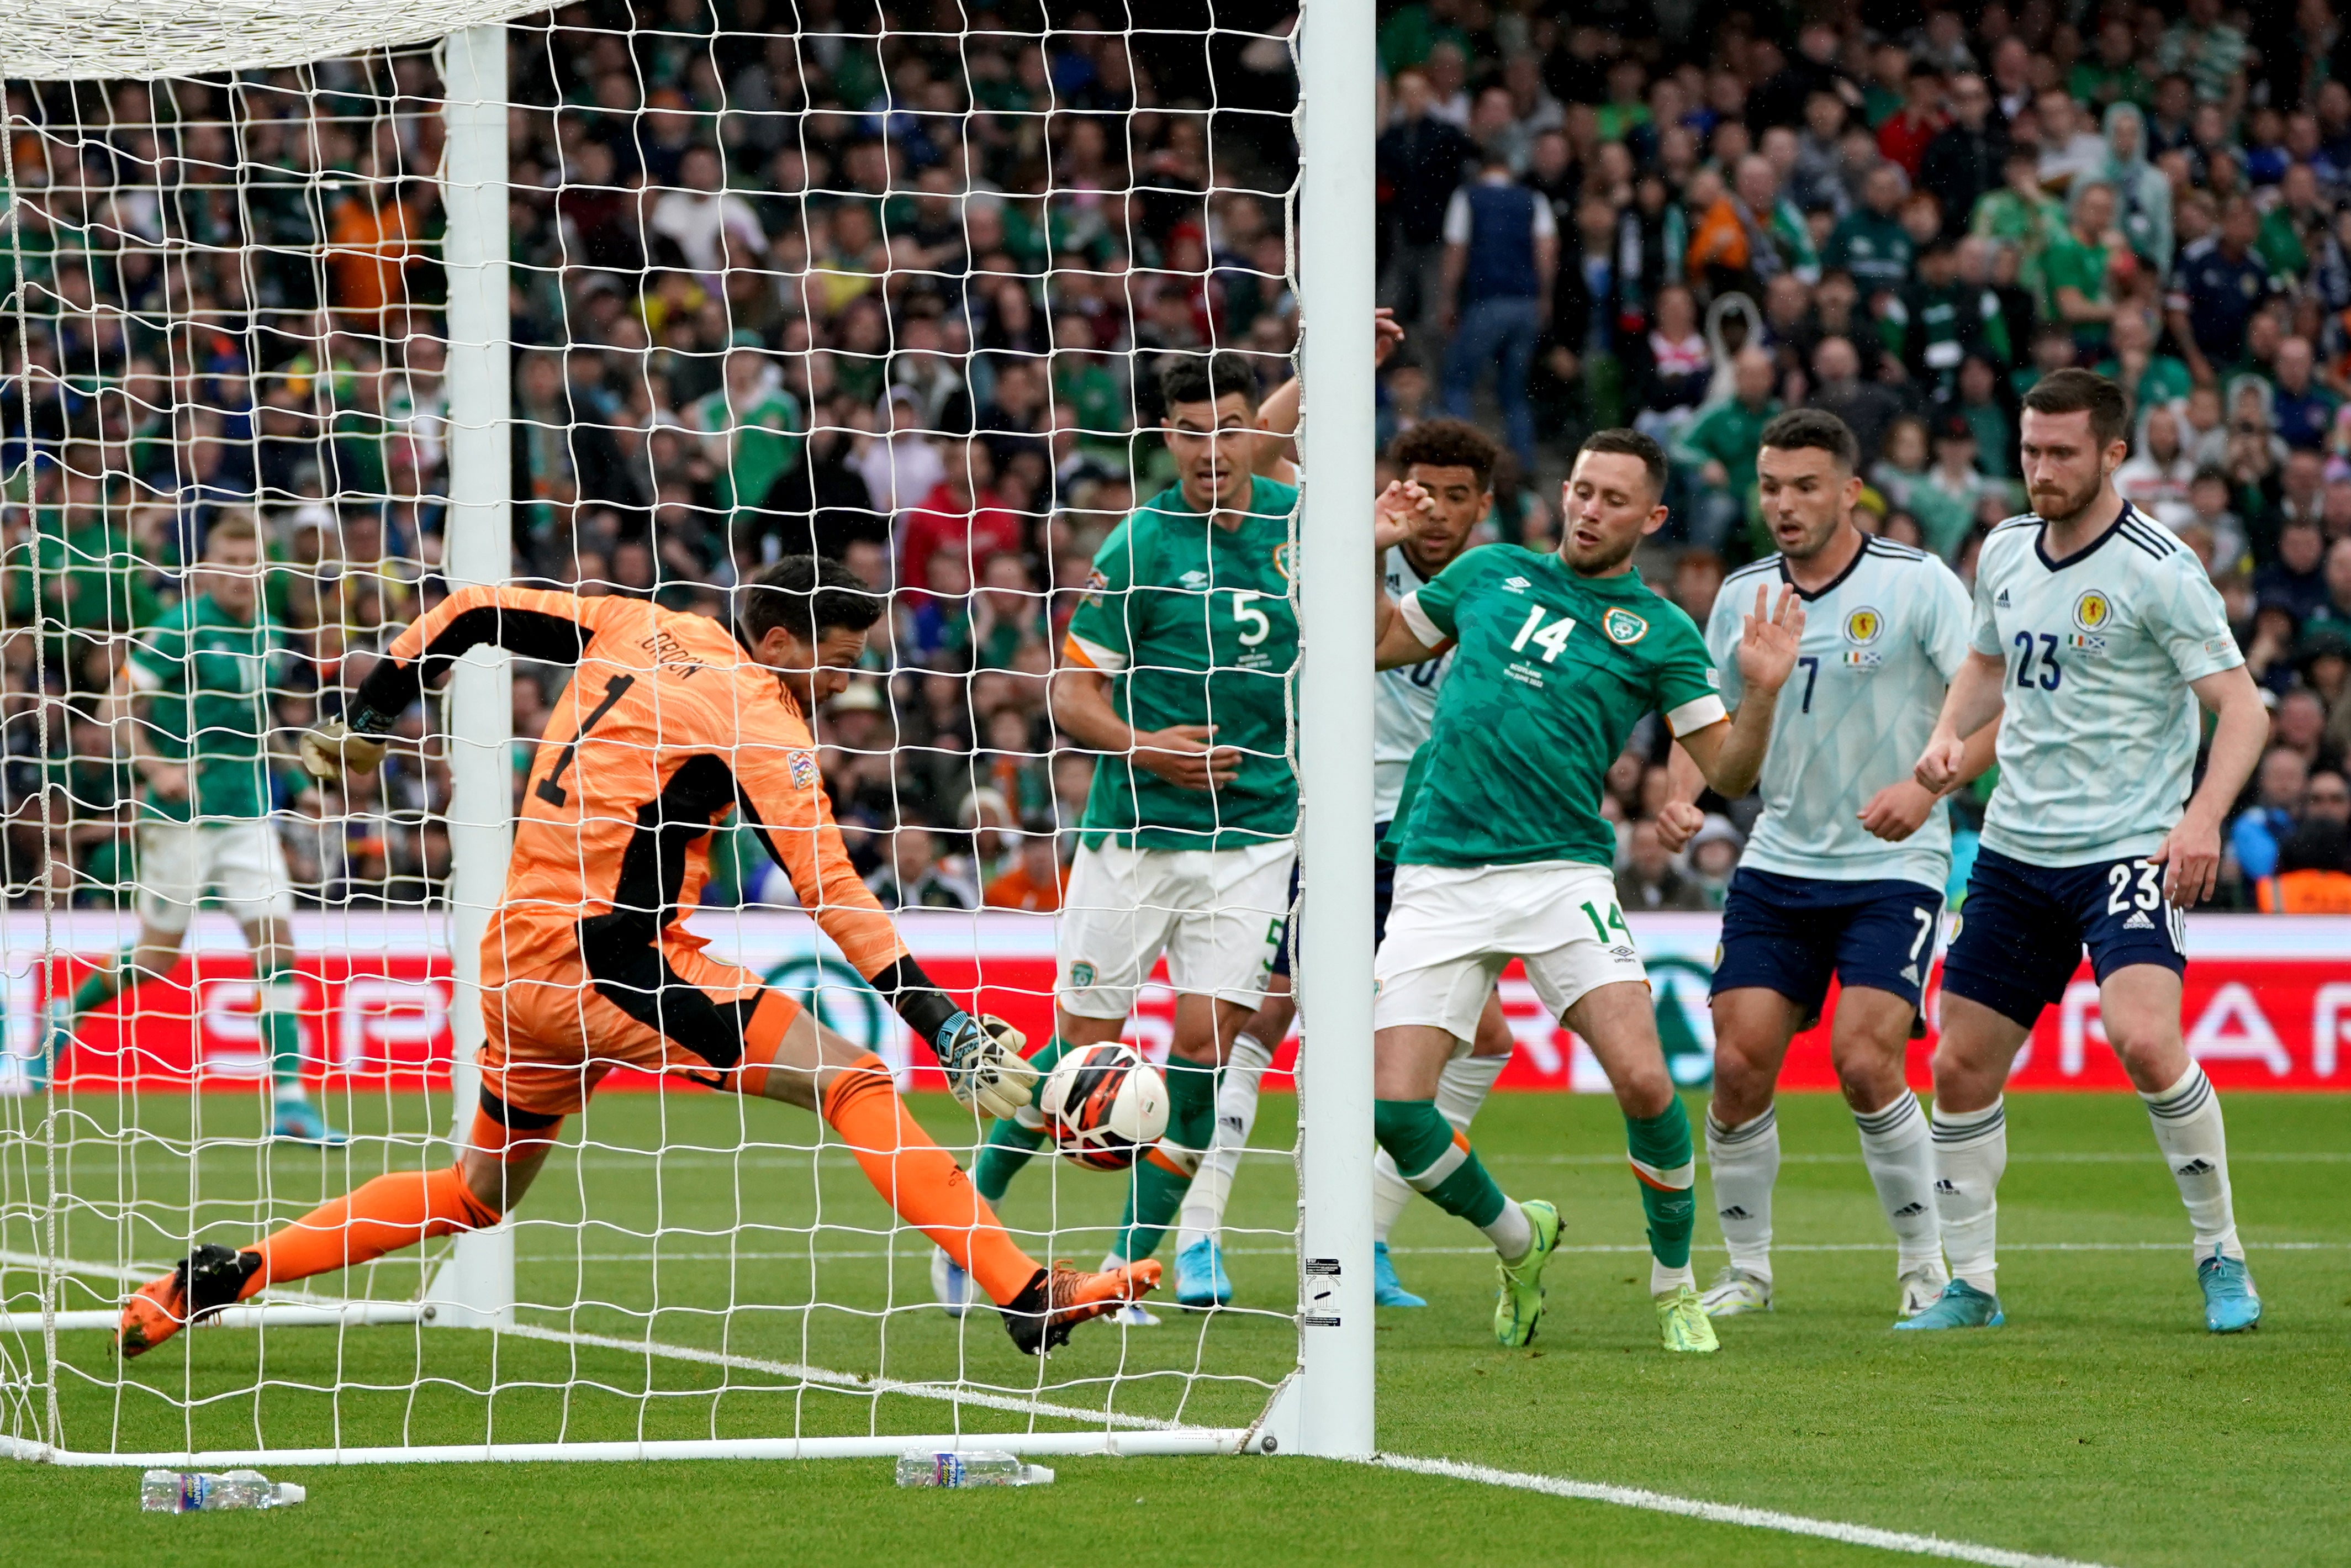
(2021,216)
(2145,377)
(1870,242)
(191,715)
(2079,269)
(1717,450)
(753,431)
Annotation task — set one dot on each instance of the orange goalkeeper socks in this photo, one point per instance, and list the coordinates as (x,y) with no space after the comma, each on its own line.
(922,1181)
(383,1216)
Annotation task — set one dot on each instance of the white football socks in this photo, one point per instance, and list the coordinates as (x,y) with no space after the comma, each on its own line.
(2188,1129)
(1203,1215)
(1970,1153)
(1511,1232)
(1898,1147)
(1461,1088)
(1744,1162)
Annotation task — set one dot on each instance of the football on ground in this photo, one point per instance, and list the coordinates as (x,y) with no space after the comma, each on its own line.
(1105,1105)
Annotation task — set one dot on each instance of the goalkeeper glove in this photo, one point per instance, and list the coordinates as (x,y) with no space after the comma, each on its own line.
(983,1063)
(333,746)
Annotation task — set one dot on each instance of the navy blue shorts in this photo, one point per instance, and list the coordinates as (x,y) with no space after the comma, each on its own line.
(1383,894)
(2023,928)
(1790,933)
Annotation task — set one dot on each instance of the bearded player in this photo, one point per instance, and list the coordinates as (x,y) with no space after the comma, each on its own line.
(1844,874)
(1425,520)
(1556,658)
(2097,635)
(672,722)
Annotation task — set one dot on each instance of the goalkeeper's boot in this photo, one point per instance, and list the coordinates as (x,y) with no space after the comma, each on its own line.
(1519,1300)
(298,1122)
(1200,1276)
(1921,1285)
(950,1284)
(1960,1306)
(1387,1291)
(1059,1299)
(1735,1292)
(208,1279)
(2230,1303)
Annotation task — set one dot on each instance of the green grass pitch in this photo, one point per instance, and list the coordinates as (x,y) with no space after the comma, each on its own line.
(2101,1424)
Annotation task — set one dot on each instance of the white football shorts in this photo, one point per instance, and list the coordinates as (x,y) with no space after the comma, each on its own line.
(1217,914)
(1453,929)
(240,863)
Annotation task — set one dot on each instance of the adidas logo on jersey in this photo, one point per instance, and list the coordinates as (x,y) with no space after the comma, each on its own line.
(1910,1210)
(1944,1189)
(1733,1212)
(2138,922)
(2000,602)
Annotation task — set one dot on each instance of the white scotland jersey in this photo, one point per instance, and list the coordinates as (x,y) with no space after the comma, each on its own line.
(1404,705)
(2098,729)
(1880,646)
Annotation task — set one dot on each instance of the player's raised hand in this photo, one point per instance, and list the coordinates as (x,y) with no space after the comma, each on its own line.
(1388,335)
(333,749)
(2191,858)
(1767,647)
(1938,766)
(1182,755)
(982,1060)
(1899,810)
(1678,823)
(1398,510)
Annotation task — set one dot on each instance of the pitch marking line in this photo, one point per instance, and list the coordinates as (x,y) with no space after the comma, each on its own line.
(1730,1513)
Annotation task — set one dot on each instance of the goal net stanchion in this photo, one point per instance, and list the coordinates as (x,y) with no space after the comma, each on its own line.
(673,1287)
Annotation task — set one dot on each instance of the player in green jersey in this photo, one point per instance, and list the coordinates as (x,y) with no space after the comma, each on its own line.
(1176,672)
(190,713)
(1504,853)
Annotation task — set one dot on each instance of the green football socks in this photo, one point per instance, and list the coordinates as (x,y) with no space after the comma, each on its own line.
(1011,1143)
(1660,1149)
(1164,1174)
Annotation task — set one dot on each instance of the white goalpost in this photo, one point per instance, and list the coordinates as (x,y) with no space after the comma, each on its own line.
(260,263)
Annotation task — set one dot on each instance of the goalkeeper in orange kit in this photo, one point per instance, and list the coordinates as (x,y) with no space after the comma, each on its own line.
(672,722)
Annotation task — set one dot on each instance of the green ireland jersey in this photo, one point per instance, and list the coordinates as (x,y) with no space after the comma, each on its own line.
(1551,671)
(207,679)
(758,445)
(1194,624)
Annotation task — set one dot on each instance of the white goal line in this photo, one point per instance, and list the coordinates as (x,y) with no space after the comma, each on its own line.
(1730,1513)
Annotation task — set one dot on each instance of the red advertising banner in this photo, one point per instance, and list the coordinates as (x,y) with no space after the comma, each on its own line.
(2267,1003)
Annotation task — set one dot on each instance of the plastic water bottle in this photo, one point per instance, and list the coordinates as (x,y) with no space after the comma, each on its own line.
(974,1468)
(173,1491)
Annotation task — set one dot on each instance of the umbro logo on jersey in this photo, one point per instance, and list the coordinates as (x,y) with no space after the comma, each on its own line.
(2138,922)
(2000,602)
(1194,580)
(1516,584)
(1624,955)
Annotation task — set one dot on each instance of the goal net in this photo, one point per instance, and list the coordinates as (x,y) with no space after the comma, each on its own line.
(311,320)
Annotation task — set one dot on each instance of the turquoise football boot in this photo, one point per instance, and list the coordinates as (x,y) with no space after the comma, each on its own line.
(1960,1306)
(2230,1303)
(1387,1291)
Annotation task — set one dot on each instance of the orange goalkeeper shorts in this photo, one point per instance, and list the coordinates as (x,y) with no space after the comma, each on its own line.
(555,1031)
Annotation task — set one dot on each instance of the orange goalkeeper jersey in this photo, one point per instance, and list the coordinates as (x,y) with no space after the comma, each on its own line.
(666,728)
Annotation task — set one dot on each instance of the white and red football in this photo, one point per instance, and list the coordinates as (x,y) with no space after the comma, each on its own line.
(1104,1105)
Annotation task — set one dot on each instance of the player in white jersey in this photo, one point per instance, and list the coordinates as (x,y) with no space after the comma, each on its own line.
(2096,634)
(1844,875)
(1447,486)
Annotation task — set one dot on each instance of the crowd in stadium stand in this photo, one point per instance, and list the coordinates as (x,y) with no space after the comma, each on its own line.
(898,296)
